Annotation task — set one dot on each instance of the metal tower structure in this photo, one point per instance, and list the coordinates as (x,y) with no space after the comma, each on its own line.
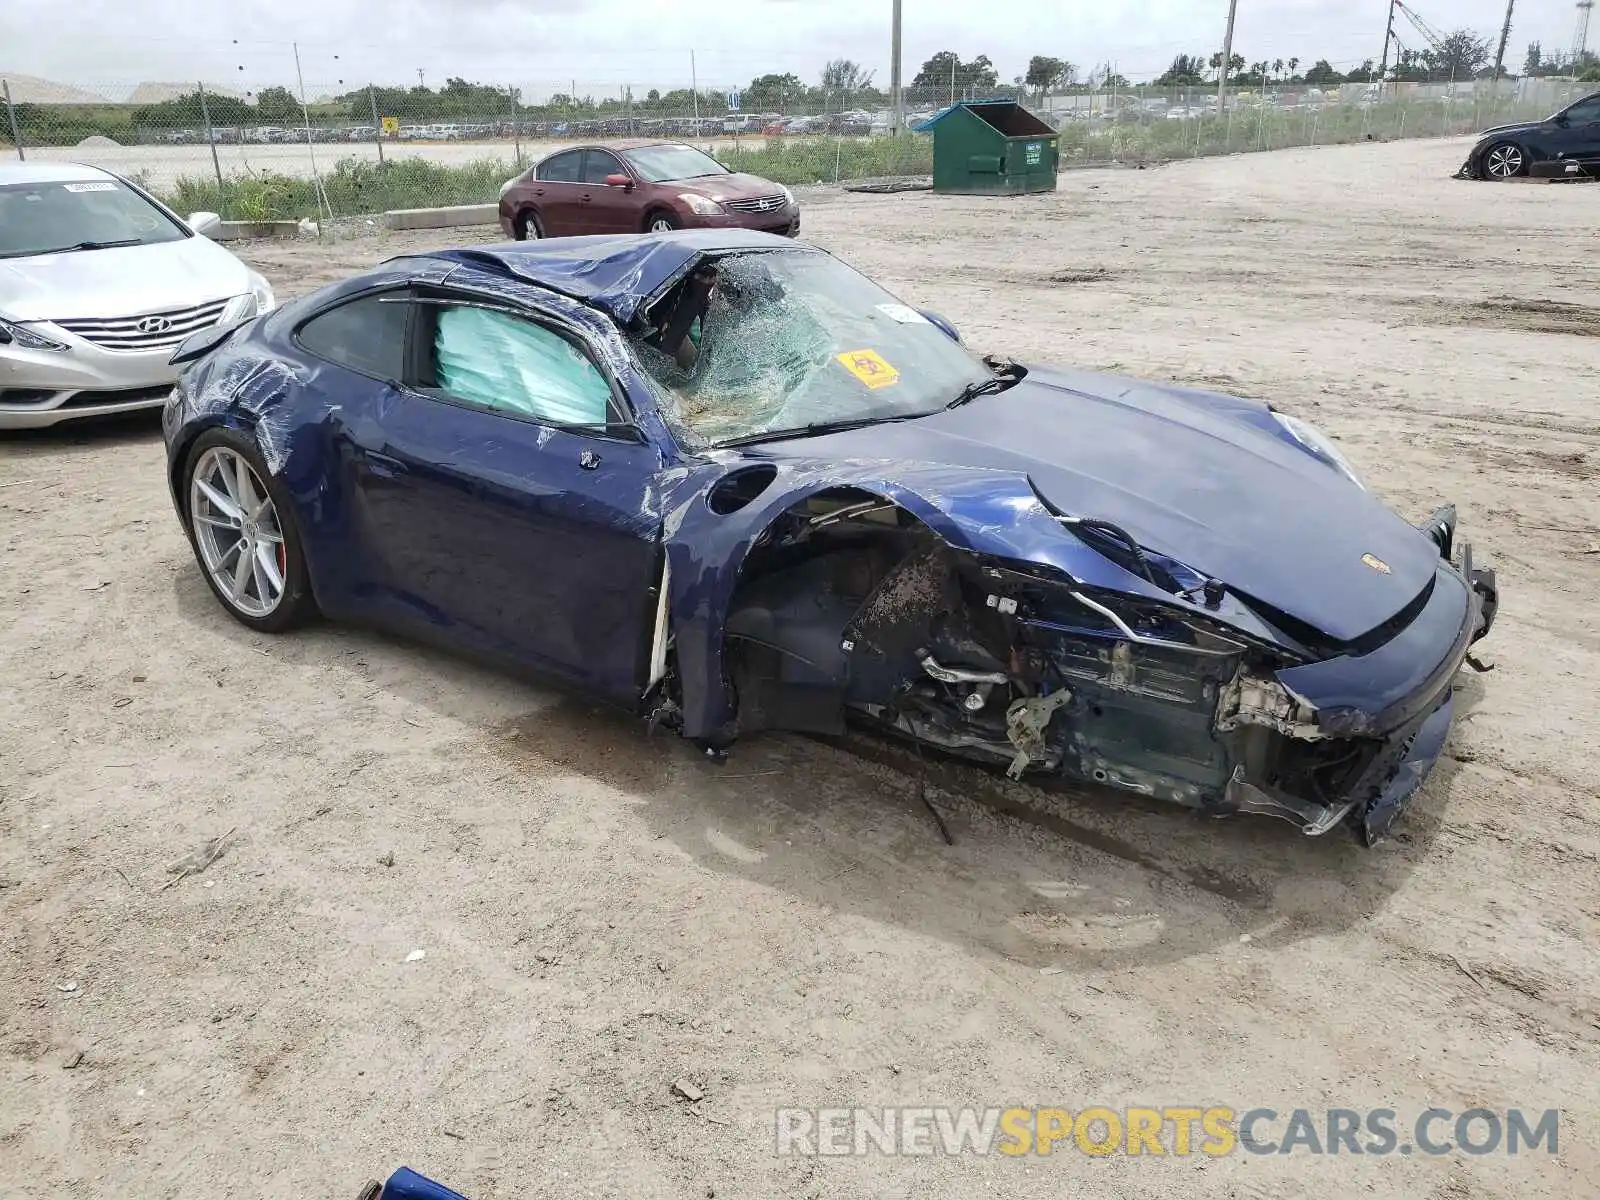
(1580,36)
(1392,35)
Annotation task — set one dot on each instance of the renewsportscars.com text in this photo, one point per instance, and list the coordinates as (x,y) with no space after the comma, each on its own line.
(1177,1130)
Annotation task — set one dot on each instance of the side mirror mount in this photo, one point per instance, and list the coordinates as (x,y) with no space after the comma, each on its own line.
(621,181)
(941,324)
(204,223)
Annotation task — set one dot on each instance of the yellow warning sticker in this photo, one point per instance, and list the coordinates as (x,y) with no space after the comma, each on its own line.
(870,367)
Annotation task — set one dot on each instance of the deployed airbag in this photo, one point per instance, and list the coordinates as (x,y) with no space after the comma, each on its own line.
(512,365)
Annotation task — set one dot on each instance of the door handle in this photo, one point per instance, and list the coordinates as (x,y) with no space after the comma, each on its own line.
(538,191)
(380,469)
(383,466)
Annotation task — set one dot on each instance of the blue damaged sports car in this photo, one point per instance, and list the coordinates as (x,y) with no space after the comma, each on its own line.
(726,481)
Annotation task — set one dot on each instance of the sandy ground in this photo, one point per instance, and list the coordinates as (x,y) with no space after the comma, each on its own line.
(603,915)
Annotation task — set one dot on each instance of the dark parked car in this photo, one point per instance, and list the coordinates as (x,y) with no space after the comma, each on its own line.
(638,186)
(725,481)
(1506,151)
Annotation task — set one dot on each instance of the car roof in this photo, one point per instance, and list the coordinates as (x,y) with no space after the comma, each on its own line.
(620,144)
(49,172)
(612,272)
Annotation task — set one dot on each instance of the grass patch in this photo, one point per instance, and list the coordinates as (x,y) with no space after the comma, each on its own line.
(803,160)
(357,186)
(353,187)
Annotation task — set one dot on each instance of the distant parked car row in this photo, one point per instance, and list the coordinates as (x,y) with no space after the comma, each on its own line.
(846,124)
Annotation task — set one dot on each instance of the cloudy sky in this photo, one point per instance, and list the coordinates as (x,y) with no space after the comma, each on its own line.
(540,45)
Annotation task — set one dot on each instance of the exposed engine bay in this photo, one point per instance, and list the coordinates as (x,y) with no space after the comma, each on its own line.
(850,608)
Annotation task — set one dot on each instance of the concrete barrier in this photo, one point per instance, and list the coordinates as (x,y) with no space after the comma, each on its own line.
(235,231)
(442,218)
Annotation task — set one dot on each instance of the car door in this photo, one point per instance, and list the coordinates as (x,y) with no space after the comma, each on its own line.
(496,524)
(355,352)
(1580,136)
(557,186)
(609,209)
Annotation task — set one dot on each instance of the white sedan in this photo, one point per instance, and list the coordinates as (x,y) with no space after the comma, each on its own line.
(99,283)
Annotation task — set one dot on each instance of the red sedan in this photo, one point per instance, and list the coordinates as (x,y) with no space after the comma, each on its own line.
(640,186)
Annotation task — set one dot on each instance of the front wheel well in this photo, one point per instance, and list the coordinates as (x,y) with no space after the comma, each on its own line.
(654,211)
(526,217)
(807,578)
(1525,155)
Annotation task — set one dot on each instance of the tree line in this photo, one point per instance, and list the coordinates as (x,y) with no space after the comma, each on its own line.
(1459,55)
(842,84)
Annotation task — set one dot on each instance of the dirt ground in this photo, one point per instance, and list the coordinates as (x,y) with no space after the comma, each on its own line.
(604,914)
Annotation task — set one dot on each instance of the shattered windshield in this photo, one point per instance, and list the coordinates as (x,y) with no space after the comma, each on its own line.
(770,343)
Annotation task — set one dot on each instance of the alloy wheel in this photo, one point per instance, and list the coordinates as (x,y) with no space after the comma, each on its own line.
(1504,162)
(237,529)
(661,225)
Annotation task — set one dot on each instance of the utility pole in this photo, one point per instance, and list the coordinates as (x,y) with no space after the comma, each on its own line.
(1505,34)
(1227,57)
(897,115)
(211,137)
(1388,36)
(11,111)
(694,86)
(311,149)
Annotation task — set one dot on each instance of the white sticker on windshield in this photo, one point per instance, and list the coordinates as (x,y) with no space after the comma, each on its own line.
(903,313)
(90,187)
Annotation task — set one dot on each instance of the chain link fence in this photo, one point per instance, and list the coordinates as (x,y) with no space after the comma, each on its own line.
(347,153)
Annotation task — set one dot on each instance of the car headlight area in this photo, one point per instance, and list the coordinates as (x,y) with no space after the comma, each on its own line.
(1319,444)
(258,301)
(701,206)
(20,336)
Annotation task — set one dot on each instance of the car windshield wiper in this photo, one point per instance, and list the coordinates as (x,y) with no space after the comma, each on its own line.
(815,429)
(983,387)
(106,245)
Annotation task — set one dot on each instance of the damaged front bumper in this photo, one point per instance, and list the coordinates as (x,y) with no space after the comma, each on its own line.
(857,610)
(1390,707)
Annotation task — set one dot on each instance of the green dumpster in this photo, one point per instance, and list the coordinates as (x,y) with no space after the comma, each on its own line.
(991,146)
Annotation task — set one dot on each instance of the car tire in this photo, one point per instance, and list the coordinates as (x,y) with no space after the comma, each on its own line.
(1504,160)
(526,226)
(660,221)
(213,498)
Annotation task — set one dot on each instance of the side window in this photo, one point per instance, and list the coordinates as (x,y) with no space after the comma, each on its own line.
(597,164)
(367,335)
(562,168)
(510,365)
(1584,113)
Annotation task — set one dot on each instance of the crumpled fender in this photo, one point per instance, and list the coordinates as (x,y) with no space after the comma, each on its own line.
(986,512)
